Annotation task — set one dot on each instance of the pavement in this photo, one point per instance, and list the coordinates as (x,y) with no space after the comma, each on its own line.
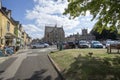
(56,67)
(4,58)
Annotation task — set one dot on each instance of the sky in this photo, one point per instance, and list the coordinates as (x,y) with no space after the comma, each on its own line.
(34,15)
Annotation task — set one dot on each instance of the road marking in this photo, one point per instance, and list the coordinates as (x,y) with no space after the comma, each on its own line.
(12,69)
(2,59)
(32,55)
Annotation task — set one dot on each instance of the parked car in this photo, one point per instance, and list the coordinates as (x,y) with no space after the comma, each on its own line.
(83,44)
(108,43)
(76,43)
(96,44)
(65,45)
(38,45)
(46,45)
(71,45)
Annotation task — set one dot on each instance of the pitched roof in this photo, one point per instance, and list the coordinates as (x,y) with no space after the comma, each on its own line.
(49,29)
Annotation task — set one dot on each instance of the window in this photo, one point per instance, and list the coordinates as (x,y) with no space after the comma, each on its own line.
(2,41)
(47,35)
(8,26)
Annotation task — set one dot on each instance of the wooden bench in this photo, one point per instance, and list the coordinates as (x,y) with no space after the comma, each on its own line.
(113,46)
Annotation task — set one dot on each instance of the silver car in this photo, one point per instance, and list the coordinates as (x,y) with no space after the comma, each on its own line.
(108,43)
(38,45)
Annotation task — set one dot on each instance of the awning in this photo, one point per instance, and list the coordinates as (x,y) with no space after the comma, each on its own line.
(10,35)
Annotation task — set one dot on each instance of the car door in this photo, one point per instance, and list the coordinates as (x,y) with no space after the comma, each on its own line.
(41,45)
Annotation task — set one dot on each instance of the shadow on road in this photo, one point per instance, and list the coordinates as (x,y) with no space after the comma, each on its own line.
(6,64)
(39,75)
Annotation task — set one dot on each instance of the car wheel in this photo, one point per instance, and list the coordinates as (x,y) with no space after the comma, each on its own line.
(45,46)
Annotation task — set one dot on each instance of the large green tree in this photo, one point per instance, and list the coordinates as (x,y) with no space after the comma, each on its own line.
(106,11)
(105,33)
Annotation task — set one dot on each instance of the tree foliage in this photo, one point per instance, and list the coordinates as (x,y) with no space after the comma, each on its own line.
(105,33)
(16,31)
(106,11)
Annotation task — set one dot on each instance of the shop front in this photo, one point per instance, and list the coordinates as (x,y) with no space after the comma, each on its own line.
(10,39)
(10,42)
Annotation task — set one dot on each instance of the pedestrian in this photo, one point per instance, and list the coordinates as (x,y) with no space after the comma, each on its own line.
(57,45)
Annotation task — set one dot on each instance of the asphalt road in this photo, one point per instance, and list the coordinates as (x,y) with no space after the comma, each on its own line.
(30,64)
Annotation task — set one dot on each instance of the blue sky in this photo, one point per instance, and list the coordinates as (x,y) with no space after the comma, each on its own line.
(35,14)
(19,8)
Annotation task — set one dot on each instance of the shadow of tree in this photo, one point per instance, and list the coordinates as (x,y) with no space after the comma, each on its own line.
(38,75)
(94,68)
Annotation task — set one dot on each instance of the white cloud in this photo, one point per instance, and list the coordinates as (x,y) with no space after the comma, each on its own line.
(46,12)
(33,30)
(68,34)
(87,13)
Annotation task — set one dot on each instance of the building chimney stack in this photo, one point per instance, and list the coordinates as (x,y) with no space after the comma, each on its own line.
(9,13)
(84,32)
(0,4)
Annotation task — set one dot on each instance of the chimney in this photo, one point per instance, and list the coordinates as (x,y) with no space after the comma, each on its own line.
(9,13)
(0,4)
(84,32)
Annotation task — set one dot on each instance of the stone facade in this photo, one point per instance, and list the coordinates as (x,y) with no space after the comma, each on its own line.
(54,34)
(7,26)
(84,36)
(10,29)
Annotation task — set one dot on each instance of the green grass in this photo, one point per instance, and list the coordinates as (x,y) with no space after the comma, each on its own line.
(76,64)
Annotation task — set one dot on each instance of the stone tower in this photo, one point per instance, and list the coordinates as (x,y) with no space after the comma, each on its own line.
(84,32)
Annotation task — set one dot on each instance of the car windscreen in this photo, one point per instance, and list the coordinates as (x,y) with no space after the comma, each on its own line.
(82,42)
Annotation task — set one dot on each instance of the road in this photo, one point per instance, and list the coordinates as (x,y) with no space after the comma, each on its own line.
(30,64)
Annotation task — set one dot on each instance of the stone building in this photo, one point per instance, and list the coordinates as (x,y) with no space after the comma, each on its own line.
(54,34)
(10,29)
(84,36)
(7,26)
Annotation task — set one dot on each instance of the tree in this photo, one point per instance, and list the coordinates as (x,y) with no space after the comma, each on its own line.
(106,11)
(16,31)
(105,33)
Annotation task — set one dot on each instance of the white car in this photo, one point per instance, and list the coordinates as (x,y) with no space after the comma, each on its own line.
(38,45)
(46,45)
(108,43)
